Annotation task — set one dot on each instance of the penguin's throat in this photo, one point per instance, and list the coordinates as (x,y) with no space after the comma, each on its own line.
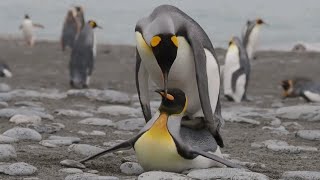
(159,130)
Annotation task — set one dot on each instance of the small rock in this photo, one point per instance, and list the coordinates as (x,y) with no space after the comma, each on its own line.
(299,112)
(292,125)
(24,119)
(72,163)
(113,143)
(48,94)
(226,173)
(278,130)
(131,158)
(20,169)
(93,133)
(4,87)
(28,104)
(131,168)
(84,149)
(3,104)
(9,112)
(248,164)
(31,178)
(275,122)
(313,135)
(89,176)
(301,175)
(277,104)
(56,143)
(97,122)
(7,140)
(93,171)
(131,124)
(70,170)
(123,132)
(73,113)
(47,128)
(117,110)
(282,146)
(7,152)
(299,48)
(23,134)
(152,175)
(72,139)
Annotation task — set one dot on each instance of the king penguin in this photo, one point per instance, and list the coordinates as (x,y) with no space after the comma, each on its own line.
(71,28)
(250,36)
(301,87)
(236,71)
(162,144)
(5,70)
(83,56)
(27,27)
(173,51)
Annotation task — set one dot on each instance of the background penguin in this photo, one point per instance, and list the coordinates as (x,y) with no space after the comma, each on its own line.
(80,16)
(162,144)
(83,56)
(27,30)
(71,28)
(174,51)
(236,71)
(303,87)
(250,36)
(5,70)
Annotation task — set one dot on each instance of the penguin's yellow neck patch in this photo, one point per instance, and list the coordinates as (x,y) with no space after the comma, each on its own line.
(159,130)
(233,48)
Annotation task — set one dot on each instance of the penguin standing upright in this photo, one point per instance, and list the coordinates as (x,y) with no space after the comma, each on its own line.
(80,16)
(5,71)
(162,144)
(27,30)
(301,87)
(236,71)
(83,56)
(250,36)
(71,28)
(175,52)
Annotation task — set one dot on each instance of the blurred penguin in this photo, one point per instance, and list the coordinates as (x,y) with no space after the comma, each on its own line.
(236,71)
(301,87)
(83,56)
(80,16)
(27,28)
(250,36)
(5,70)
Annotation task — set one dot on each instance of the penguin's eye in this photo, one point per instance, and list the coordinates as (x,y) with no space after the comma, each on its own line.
(155,41)
(174,39)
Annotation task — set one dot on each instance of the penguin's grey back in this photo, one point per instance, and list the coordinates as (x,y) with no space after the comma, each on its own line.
(246,34)
(69,31)
(244,59)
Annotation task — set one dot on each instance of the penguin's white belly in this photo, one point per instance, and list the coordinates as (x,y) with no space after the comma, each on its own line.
(27,29)
(253,41)
(182,74)
(240,88)
(314,97)
(232,64)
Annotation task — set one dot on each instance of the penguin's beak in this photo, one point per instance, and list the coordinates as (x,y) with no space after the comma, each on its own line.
(165,83)
(166,96)
(99,27)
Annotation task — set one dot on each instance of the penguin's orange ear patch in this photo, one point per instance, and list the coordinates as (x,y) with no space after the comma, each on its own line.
(174,39)
(169,96)
(155,41)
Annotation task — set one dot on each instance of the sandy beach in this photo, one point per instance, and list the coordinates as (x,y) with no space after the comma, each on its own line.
(45,67)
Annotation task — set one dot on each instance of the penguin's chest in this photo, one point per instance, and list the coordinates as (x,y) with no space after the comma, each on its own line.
(156,149)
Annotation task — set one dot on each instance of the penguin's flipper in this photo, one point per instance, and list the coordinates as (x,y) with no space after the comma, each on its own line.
(142,78)
(208,81)
(197,151)
(38,25)
(122,146)
(234,78)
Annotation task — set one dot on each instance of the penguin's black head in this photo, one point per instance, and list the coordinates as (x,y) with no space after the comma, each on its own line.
(173,102)
(93,24)
(287,86)
(164,48)
(79,9)
(26,16)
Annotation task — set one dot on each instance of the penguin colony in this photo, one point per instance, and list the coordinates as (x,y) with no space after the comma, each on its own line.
(175,53)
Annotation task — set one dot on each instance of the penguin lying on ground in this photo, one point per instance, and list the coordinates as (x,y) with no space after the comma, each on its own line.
(5,70)
(83,56)
(236,71)
(174,52)
(162,144)
(27,30)
(250,36)
(302,87)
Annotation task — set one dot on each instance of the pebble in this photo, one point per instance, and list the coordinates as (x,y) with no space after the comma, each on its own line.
(123,132)
(72,113)
(292,125)
(25,119)
(226,173)
(70,170)
(93,133)
(313,135)
(7,139)
(93,171)
(47,128)
(131,124)
(9,112)
(275,122)
(56,143)
(4,87)
(108,96)
(118,110)
(71,138)
(23,134)
(28,104)
(281,130)
(20,169)
(7,152)
(46,93)
(152,175)
(301,175)
(89,176)
(131,158)
(84,149)
(3,104)
(131,168)
(299,112)
(282,146)
(31,178)
(113,143)
(72,163)
(97,122)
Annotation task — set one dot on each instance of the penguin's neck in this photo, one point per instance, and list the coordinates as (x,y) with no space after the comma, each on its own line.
(159,129)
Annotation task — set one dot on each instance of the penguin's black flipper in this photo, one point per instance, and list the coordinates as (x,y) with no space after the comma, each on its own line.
(197,151)
(122,146)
